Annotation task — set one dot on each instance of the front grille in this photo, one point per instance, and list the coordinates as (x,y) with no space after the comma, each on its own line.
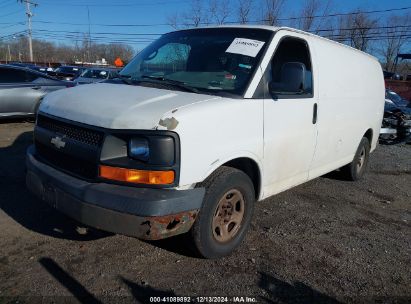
(78,137)
(86,136)
(67,163)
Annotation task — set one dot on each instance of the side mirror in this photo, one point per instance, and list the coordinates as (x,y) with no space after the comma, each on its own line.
(292,79)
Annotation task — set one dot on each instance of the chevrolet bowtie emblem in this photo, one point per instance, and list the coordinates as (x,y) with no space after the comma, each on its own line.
(58,142)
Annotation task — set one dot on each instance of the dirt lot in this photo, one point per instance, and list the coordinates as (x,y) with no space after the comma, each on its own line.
(328,241)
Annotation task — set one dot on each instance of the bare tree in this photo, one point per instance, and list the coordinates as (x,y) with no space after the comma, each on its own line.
(394,39)
(202,13)
(46,51)
(244,9)
(272,11)
(172,20)
(219,10)
(196,15)
(356,30)
(313,16)
(309,9)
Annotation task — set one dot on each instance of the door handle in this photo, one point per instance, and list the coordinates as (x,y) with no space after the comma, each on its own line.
(315,110)
(36,88)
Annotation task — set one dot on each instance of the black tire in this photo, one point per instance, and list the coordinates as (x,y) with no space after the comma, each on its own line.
(223,188)
(355,170)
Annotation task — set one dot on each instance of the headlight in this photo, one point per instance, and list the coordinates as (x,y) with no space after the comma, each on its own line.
(148,157)
(155,150)
(138,148)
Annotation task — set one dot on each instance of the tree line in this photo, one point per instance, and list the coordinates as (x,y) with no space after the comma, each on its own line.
(383,34)
(365,30)
(45,51)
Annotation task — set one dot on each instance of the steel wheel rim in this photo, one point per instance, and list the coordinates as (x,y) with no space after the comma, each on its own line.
(361,159)
(228,216)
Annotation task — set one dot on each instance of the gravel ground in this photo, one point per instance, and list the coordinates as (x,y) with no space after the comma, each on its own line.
(327,241)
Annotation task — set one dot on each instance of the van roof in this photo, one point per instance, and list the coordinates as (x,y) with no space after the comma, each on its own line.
(278,28)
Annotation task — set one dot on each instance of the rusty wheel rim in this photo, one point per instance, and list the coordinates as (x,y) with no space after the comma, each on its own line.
(228,216)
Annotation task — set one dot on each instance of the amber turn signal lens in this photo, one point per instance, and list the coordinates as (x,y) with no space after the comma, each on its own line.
(137,176)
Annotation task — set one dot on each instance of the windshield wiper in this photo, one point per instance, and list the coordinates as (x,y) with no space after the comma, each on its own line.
(125,78)
(175,83)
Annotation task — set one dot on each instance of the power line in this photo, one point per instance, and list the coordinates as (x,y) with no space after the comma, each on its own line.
(95,38)
(230,22)
(5,27)
(12,13)
(337,37)
(347,14)
(15,23)
(392,32)
(399,27)
(118,4)
(103,33)
(13,34)
(102,24)
(363,28)
(98,40)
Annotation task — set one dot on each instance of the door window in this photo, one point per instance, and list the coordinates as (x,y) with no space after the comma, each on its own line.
(290,72)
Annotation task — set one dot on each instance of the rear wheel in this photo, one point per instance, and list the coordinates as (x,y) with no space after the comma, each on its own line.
(226,213)
(356,169)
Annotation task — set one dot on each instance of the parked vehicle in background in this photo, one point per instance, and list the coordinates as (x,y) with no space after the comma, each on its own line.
(32,66)
(21,90)
(391,75)
(66,72)
(22,64)
(396,124)
(42,69)
(91,75)
(396,99)
(200,125)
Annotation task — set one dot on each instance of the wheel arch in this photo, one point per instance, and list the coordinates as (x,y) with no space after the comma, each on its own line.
(248,165)
(369,134)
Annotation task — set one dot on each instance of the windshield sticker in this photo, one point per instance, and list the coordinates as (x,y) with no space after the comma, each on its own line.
(230,76)
(243,46)
(245,66)
(103,73)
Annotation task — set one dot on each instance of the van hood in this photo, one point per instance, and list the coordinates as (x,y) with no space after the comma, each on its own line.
(117,106)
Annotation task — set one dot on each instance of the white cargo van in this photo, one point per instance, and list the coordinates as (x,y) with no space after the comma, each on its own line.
(200,125)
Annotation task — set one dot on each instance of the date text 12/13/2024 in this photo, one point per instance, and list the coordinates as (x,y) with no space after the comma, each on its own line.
(203,299)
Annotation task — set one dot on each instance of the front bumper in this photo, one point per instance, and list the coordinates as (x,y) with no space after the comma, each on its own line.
(141,212)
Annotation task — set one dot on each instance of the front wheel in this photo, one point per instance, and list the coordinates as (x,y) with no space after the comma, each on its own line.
(226,213)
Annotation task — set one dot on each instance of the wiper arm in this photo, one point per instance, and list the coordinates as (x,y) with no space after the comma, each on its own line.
(125,78)
(176,83)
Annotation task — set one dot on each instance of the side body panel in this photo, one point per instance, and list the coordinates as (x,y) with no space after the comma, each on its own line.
(214,132)
(351,101)
(19,98)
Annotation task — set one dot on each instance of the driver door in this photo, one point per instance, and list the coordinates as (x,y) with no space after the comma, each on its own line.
(290,129)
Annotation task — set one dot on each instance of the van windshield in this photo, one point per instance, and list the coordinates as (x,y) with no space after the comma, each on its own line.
(210,61)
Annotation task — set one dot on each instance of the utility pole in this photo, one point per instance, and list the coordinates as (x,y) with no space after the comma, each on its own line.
(29,15)
(89,35)
(8,48)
